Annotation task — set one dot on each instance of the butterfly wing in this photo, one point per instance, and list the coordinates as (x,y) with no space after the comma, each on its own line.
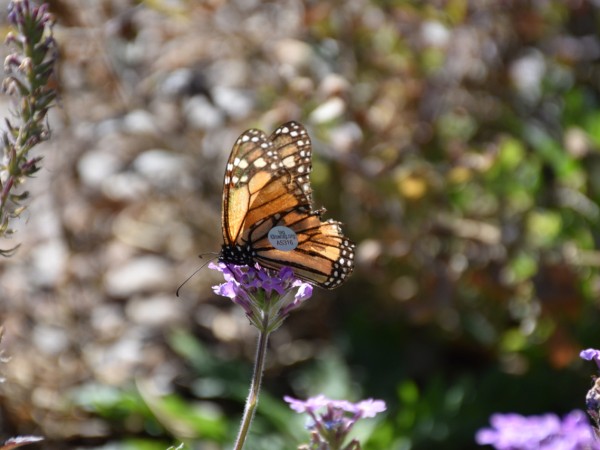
(323,255)
(294,148)
(255,183)
(266,185)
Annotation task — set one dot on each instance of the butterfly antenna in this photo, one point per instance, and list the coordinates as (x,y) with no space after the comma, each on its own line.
(215,255)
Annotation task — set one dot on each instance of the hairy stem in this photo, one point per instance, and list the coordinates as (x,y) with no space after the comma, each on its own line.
(252,401)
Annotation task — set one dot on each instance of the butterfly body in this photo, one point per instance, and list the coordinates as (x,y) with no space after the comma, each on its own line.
(267,214)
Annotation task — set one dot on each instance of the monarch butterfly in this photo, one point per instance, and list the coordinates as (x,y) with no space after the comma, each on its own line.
(267,215)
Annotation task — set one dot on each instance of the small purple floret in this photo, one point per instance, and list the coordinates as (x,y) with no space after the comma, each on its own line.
(591,354)
(332,420)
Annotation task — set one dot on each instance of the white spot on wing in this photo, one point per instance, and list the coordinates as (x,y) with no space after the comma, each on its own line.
(260,163)
(289,162)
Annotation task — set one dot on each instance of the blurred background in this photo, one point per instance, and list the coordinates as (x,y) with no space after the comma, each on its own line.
(457,140)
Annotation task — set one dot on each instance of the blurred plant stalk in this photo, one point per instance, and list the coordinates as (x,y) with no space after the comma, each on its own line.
(29,80)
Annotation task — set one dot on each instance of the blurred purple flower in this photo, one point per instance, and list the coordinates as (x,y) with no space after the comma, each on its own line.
(591,354)
(370,408)
(19,441)
(544,432)
(592,399)
(265,295)
(592,404)
(332,420)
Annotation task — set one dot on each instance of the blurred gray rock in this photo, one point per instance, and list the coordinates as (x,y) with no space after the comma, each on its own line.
(142,274)
(158,310)
(96,166)
(162,169)
(141,122)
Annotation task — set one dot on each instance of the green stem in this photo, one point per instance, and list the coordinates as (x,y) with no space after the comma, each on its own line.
(252,401)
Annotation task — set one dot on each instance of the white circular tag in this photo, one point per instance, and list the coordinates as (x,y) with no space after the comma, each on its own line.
(283,238)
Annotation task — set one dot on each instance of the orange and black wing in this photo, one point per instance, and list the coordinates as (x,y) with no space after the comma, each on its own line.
(255,186)
(267,185)
(294,149)
(323,256)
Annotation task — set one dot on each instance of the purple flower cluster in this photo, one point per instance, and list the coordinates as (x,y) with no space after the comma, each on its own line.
(592,399)
(332,420)
(543,432)
(265,295)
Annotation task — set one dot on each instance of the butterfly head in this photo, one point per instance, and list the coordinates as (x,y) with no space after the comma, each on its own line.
(237,254)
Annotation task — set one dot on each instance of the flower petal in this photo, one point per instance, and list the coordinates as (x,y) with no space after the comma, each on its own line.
(370,407)
(590,354)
